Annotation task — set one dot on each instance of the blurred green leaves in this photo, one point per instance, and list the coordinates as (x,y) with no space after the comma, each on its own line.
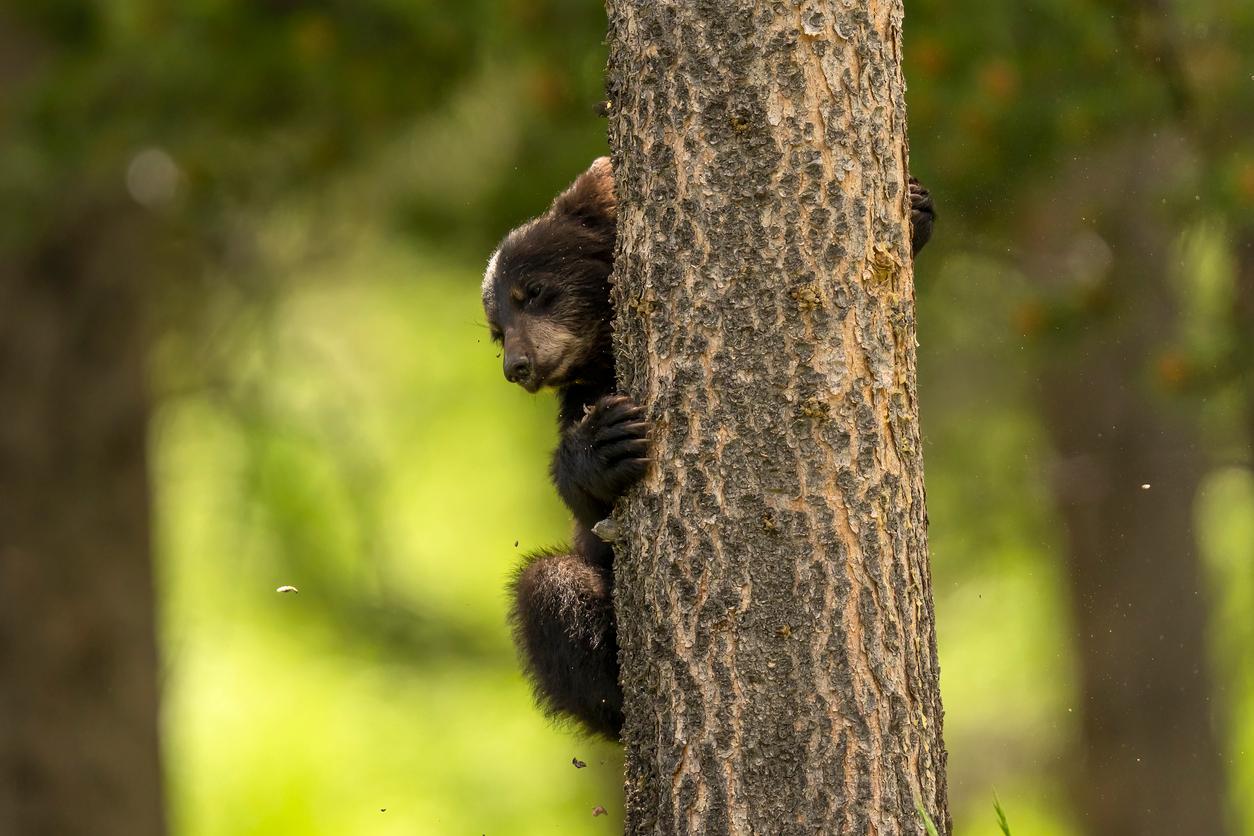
(254,101)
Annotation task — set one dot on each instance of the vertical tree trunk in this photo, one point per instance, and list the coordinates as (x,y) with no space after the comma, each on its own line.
(1130,462)
(773,595)
(1243,321)
(1149,765)
(78,682)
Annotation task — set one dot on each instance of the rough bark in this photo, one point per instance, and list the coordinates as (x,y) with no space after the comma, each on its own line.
(773,595)
(78,669)
(1129,465)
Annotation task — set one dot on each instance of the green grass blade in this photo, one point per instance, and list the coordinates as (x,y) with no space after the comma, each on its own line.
(927,820)
(1001,815)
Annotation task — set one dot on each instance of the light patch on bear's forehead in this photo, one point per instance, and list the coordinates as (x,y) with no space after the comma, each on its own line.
(489,282)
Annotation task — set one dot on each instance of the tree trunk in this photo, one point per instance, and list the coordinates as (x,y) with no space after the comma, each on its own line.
(1149,765)
(1243,323)
(773,594)
(78,681)
(1130,463)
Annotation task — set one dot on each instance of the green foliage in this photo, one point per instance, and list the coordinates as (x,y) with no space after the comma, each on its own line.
(396,494)
(253,101)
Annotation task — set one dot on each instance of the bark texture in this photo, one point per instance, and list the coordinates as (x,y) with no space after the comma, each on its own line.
(773,595)
(78,664)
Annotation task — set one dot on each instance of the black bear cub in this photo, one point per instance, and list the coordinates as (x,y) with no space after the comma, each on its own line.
(546,295)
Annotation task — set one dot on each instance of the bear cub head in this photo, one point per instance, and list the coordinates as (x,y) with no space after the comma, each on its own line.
(546,292)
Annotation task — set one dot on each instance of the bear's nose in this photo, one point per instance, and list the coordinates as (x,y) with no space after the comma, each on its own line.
(517,369)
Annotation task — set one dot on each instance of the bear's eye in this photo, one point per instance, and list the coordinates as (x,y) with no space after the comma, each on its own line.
(496,334)
(533,295)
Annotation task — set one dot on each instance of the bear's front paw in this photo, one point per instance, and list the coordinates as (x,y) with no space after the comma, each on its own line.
(614,434)
(922,214)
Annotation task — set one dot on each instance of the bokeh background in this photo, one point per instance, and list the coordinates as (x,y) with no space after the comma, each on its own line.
(292,203)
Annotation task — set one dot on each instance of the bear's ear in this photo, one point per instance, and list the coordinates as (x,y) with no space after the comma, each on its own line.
(590,199)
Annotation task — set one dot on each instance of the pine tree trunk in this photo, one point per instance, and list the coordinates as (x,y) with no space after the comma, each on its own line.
(78,662)
(773,590)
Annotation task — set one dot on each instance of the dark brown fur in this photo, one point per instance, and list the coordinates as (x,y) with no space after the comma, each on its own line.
(546,295)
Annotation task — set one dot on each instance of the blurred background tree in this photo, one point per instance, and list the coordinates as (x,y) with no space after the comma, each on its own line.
(239,329)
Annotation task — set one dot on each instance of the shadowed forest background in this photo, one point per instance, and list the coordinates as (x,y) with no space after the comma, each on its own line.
(240,335)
